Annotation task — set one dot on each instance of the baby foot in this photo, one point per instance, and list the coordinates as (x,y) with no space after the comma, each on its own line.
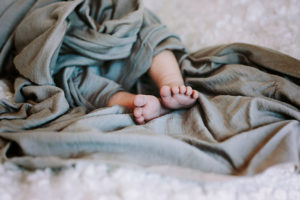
(147,107)
(178,96)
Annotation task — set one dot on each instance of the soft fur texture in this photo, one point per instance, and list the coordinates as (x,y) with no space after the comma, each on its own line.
(203,23)
(93,182)
(274,24)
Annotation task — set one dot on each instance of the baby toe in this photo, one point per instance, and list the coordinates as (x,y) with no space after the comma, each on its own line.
(182,89)
(138,112)
(189,91)
(139,100)
(165,91)
(175,90)
(140,120)
(195,94)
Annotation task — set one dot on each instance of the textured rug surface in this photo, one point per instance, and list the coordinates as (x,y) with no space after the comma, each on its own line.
(93,182)
(202,23)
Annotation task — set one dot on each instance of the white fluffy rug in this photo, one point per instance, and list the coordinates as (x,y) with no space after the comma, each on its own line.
(93,182)
(200,23)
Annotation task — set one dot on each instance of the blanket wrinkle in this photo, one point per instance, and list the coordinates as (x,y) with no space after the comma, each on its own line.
(71,56)
(279,62)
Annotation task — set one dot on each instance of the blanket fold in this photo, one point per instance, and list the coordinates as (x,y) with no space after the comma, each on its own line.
(71,56)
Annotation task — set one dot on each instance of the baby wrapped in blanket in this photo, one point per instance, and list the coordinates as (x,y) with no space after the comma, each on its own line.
(95,50)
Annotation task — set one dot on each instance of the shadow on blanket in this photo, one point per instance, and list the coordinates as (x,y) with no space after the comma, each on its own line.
(245,120)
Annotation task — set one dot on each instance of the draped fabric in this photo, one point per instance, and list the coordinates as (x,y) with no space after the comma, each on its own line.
(70,43)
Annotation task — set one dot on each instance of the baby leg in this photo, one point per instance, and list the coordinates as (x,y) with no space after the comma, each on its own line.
(166,74)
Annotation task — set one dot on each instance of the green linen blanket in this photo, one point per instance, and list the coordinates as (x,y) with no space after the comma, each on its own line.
(66,58)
